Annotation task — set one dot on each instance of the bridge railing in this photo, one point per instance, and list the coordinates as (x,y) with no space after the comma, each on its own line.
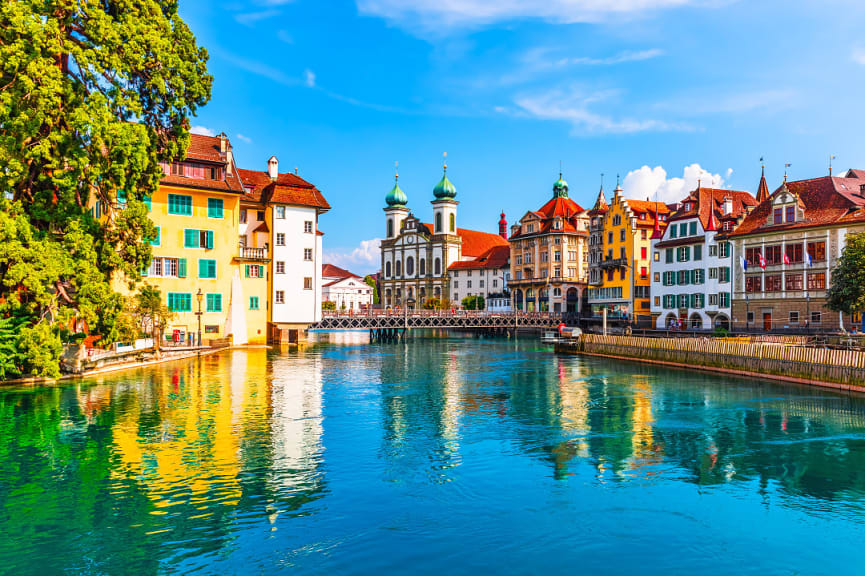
(434,314)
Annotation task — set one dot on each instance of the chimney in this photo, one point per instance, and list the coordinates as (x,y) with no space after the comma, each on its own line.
(223,142)
(728,206)
(273,168)
(503,227)
(229,161)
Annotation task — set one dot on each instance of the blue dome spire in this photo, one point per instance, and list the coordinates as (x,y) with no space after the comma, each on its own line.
(444,190)
(396,198)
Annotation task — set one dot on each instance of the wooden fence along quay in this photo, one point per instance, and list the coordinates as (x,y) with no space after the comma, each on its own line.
(787,358)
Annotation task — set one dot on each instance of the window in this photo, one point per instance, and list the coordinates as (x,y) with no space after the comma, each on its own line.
(794,253)
(752,256)
(253,302)
(817,251)
(753,284)
(777,216)
(817,281)
(683,277)
(724,298)
(279,298)
(422,267)
(698,300)
(158,238)
(243,215)
(610,237)
(453,224)
(280,212)
(713,273)
(180,204)
(211,329)
(713,299)
(557,256)
(215,207)
(683,229)
(617,219)
(816,317)
(214,302)
(794,317)
(698,252)
(456,283)
(155,267)
(409,266)
(206,268)
(198,238)
(668,255)
(683,254)
(699,276)
(437,266)
(622,254)
(750,317)
(495,283)
(692,230)
(398,268)
(259,216)
(644,253)
(724,274)
(657,301)
(773,283)
(307,227)
(657,277)
(307,283)
(793,282)
(544,256)
(669,278)
(622,235)
(180,301)
(791,214)
(644,234)
(683,300)
(673,231)
(469,284)
(307,254)
(254,271)
(438,222)
(644,272)
(390,228)
(724,250)
(280,238)
(280,267)
(713,250)
(773,255)
(387,269)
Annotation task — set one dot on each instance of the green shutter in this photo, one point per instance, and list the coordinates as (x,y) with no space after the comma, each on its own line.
(181,267)
(214,302)
(158,238)
(693,229)
(247,270)
(673,231)
(214,207)
(148,201)
(261,271)
(698,252)
(209,240)
(190,238)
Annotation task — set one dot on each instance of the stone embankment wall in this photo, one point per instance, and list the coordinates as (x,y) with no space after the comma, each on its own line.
(843,369)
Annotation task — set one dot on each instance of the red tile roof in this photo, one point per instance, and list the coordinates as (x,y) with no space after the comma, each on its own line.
(650,209)
(493,259)
(557,207)
(711,200)
(207,149)
(825,201)
(474,243)
(331,271)
(287,189)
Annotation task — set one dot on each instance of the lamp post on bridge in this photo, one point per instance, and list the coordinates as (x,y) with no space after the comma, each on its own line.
(199,296)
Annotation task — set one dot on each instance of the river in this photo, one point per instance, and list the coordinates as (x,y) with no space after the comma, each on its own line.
(436,456)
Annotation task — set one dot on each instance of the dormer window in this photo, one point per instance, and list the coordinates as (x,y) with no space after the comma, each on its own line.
(557,224)
(642,215)
(687,206)
(790,215)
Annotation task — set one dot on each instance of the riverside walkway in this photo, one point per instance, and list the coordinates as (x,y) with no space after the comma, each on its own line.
(436,319)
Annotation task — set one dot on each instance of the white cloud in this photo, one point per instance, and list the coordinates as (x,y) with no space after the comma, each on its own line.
(653,184)
(620,58)
(202,130)
(243,138)
(309,78)
(250,18)
(545,60)
(573,108)
(364,259)
(858,56)
(259,69)
(439,15)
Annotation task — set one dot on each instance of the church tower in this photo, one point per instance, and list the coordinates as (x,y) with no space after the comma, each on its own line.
(445,206)
(396,211)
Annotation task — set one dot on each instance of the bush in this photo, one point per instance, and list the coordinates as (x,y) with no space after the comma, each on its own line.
(328,305)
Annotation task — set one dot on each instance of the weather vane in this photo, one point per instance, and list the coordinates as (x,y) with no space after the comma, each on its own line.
(786,165)
(832,157)
(396,169)
(445,157)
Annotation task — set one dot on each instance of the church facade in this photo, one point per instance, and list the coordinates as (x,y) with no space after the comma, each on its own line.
(415,256)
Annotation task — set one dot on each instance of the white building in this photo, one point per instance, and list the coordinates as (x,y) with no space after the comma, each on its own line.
(485,276)
(692,261)
(348,291)
(289,208)
(415,257)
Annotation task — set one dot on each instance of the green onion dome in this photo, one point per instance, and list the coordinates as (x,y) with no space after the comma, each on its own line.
(560,188)
(444,190)
(396,197)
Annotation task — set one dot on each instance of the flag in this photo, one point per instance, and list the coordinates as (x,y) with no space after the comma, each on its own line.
(808,255)
(762,262)
(786,258)
(744,263)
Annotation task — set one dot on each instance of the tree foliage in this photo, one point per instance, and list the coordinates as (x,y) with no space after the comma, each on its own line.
(370,281)
(328,305)
(847,289)
(151,314)
(93,96)
(473,303)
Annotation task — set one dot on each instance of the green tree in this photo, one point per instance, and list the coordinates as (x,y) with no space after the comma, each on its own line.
(432,303)
(469,303)
(93,96)
(328,305)
(151,315)
(371,282)
(847,288)
(480,303)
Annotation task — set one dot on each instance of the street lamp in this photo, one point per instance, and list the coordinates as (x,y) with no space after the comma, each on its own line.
(808,312)
(747,314)
(199,296)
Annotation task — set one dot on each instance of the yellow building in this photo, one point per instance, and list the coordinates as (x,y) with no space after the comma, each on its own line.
(197,263)
(621,277)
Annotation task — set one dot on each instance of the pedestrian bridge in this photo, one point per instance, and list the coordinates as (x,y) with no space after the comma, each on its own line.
(435,319)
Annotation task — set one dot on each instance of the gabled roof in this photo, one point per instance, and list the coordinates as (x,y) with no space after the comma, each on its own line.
(474,243)
(706,201)
(650,209)
(557,207)
(493,259)
(825,201)
(331,271)
(208,149)
(286,189)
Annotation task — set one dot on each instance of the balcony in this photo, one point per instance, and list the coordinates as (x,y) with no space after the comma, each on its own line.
(614,263)
(246,254)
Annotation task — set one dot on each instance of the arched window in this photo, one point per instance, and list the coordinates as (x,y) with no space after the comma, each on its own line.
(387,297)
(398,268)
(422,267)
(390,227)
(437,267)
(438,292)
(409,266)
(438,222)
(387,269)
(453,223)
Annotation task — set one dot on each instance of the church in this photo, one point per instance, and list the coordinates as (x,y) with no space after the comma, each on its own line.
(415,256)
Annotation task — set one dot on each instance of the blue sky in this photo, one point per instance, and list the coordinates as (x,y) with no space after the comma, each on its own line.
(661,92)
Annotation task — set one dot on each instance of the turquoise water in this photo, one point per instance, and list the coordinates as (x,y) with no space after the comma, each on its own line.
(439,456)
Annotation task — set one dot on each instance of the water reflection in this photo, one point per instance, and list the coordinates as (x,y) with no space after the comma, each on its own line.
(266,458)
